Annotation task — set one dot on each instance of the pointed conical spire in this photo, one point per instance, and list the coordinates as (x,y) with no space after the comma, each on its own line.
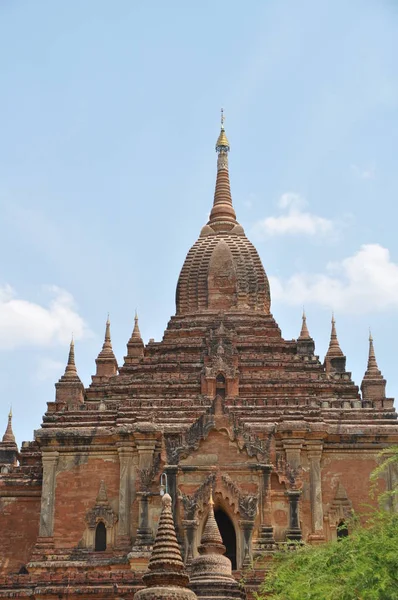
(211,572)
(211,541)
(334,346)
(304,333)
(166,567)
(8,437)
(106,360)
(222,216)
(373,370)
(135,345)
(334,359)
(136,335)
(69,388)
(70,370)
(107,350)
(373,385)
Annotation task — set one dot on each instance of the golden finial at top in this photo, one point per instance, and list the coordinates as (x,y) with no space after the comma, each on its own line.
(211,501)
(222,144)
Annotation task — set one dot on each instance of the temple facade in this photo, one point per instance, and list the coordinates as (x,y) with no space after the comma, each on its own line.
(235,423)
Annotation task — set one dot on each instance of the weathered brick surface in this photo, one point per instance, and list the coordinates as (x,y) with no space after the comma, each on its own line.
(19,527)
(223,403)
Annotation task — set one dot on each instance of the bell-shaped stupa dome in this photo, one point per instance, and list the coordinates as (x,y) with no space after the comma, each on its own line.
(222,270)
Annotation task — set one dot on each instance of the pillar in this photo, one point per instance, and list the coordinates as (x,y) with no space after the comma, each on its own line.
(190,526)
(314,460)
(247,529)
(50,460)
(294,532)
(266,534)
(125,483)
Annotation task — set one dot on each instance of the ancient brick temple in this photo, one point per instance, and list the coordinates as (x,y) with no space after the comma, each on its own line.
(222,406)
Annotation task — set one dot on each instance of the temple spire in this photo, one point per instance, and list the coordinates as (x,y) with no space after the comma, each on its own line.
(8,436)
(222,216)
(70,370)
(211,571)
(166,576)
(135,345)
(373,369)
(373,385)
(211,541)
(69,388)
(107,350)
(106,360)
(304,333)
(334,346)
(136,335)
(334,359)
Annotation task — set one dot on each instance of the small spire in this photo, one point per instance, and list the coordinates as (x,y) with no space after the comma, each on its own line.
(107,351)
(136,335)
(166,566)
(71,370)
(373,370)
(334,349)
(304,333)
(222,216)
(211,541)
(8,436)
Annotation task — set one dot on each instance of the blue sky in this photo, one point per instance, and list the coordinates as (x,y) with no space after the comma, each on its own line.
(109,115)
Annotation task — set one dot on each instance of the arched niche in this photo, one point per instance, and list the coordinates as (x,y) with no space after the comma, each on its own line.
(342,531)
(220,385)
(100,540)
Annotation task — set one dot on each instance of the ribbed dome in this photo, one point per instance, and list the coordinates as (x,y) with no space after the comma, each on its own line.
(222,270)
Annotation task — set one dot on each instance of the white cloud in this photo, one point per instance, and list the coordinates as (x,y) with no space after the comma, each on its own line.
(295,220)
(364,282)
(25,323)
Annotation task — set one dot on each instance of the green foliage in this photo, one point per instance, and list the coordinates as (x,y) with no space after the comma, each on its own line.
(362,566)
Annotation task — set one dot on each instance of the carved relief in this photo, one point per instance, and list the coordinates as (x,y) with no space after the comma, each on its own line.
(147,475)
(291,476)
(341,507)
(195,502)
(181,444)
(245,503)
(101,511)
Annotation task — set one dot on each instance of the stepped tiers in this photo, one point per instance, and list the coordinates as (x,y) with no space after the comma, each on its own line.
(222,407)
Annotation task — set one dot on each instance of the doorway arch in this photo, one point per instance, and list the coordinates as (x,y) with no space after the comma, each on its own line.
(227,531)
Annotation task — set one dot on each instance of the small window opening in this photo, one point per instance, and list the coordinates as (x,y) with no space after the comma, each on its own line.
(100,537)
(342,530)
(220,385)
